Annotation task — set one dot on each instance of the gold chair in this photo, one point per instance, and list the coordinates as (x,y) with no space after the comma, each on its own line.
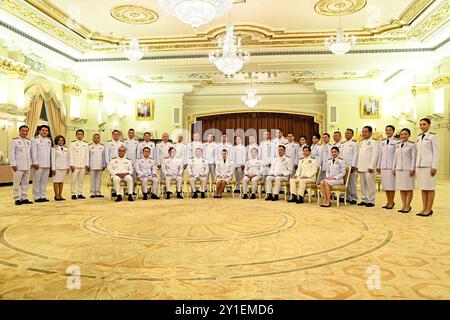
(312,186)
(174,183)
(378,180)
(123,185)
(232,184)
(285,185)
(198,184)
(338,189)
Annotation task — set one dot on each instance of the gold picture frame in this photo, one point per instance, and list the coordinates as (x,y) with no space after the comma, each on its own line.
(370,107)
(145,109)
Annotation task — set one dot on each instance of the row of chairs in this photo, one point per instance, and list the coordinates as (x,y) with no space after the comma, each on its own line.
(186,188)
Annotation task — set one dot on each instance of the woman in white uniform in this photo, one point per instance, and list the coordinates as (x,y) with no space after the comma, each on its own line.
(224,173)
(316,148)
(386,154)
(427,161)
(334,176)
(60,166)
(405,169)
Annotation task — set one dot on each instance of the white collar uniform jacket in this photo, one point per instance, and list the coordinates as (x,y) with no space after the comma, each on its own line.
(183,152)
(97,156)
(280,141)
(427,150)
(60,158)
(40,151)
(281,165)
(239,155)
(224,169)
(293,151)
(249,150)
(267,151)
(254,167)
(120,165)
(325,156)
(112,148)
(162,151)
(307,167)
(149,144)
(367,155)
(209,152)
(198,167)
(349,152)
(224,146)
(172,167)
(192,146)
(146,168)
(386,153)
(20,153)
(132,149)
(79,154)
(336,168)
(405,156)
(316,153)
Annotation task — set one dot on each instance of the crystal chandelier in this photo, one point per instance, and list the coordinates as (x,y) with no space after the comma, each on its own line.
(196,12)
(342,43)
(251,99)
(133,51)
(231,58)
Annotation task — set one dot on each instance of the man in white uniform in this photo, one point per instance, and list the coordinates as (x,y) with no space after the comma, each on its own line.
(121,169)
(147,143)
(240,157)
(146,171)
(194,145)
(253,171)
(279,138)
(292,151)
(349,152)
(79,163)
(172,169)
(267,152)
(325,156)
(132,145)
(41,147)
(97,164)
(112,146)
(162,150)
(224,145)
(337,137)
(306,173)
(366,166)
(182,150)
(198,171)
(251,145)
(209,151)
(20,162)
(280,170)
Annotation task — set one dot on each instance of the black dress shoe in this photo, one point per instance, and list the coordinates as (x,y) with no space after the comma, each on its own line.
(362,204)
(300,200)
(203,195)
(237,191)
(353,202)
(324,206)
(195,195)
(46,200)
(62,199)
(74,198)
(370,205)
(425,215)
(93,196)
(253,196)
(113,195)
(167,195)
(81,196)
(154,197)
(405,211)
(245,196)
(130,197)
(119,198)
(276,198)
(39,200)
(26,201)
(145,196)
(179,196)
(18,203)
(293,199)
(269,197)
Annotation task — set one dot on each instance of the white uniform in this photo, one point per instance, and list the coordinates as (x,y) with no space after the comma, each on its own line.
(367,159)
(60,163)
(121,165)
(324,157)
(224,170)
(224,146)
(132,146)
(240,158)
(150,144)
(41,155)
(427,158)
(300,152)
(209,152)
(162,151)
(192,146)
(146,171)
(249,150)
(404,163)
(293,152)
(386,154)
(336,170)
(280,166)
(79,158)
(183,152)
(316,153)
(198,171)
(280,141)
(97,164)
(267,152)
(172,168)
(252,167)
(307,167)
(112,148)
(338,144)
(349,152)
(20,157)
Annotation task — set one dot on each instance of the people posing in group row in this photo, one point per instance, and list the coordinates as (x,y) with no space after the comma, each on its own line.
(273,162)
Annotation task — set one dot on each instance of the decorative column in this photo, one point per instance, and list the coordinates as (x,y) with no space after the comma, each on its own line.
(12,85)
(72,101)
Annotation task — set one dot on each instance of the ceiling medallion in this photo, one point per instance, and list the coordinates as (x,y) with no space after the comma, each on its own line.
(339,7)
(134,14)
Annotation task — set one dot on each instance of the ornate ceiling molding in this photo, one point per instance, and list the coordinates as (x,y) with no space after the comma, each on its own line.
(441,81)
(339,7)
(134,14)
(72,89)
(10,67)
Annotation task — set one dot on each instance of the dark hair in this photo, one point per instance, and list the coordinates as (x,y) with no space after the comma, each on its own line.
(426,120)
(317,135)
(368,128)
(145,133)
(326,134)
(57,139)
(335,148)
(391,126)
(131,129)
(44,126)
(282,146)
(289,133)
(304,137)
(352,131)
(23,126)
(95,134)
(171,148)
(407,130)
(306,147)
(338,132)
(115,130)
(257,151)
(146,148)
(79,130)
(224,150)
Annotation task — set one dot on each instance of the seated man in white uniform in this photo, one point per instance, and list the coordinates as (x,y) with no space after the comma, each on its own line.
(146,170)
(198,169)
(121,169)
(335,174)
(306,173)
(172,169)
(253,172)
(280,170)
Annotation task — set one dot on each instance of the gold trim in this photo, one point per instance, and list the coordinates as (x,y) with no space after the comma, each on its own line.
(72,89)
(420,90)
(440,82)
(151,104)
(339,7)
(99,96)
(134,14)
(362,111)
(12,67)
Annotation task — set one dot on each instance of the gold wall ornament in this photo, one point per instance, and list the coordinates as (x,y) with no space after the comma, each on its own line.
(11,67)
(339,7)
(72,89)
(441,16)
(420,90)
(99,96)
(441,82)
(134,14)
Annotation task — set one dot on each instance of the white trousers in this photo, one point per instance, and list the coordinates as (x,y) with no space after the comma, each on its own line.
(299,190)
(96,182)
(212,173)
(21,180)
(155,182)
(277,180)
(76,184)
(368,187)
(352,188)
(254,181)
(128,179)
(238,175)
(40,179)
(179,181)
(203,181)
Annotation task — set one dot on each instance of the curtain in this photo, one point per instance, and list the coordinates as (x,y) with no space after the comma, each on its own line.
(299,125)
(37,95)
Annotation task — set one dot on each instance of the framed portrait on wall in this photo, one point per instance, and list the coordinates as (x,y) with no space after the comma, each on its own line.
(145,109)
(370,107)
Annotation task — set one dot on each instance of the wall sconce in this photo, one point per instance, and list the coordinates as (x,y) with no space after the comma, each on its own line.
(5,125)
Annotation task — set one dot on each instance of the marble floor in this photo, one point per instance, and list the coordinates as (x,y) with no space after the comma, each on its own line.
(222,249)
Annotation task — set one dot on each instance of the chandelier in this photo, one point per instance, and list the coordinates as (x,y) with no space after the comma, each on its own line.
(196,12)
(133,51)
(342,43)
(231,58)
(251,99)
